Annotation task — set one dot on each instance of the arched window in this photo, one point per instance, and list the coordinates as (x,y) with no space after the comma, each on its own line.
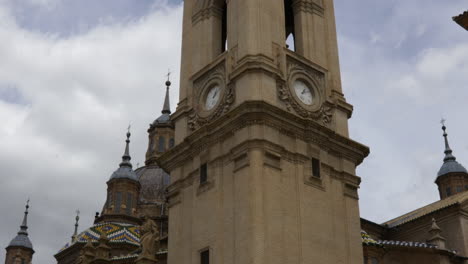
(161,144)
(224,44)
(118,202)
(129,203)
(289,26)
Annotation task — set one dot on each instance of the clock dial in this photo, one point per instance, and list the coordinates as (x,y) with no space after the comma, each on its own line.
(212,97)
(303,92)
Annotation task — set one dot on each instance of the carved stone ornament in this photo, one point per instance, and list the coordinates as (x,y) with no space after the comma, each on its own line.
(320,110)
(199,116)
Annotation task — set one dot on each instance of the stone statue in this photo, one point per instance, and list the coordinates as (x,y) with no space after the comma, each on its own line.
(149,239)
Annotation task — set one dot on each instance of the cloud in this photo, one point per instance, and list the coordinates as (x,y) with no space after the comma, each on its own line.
(65,103)
(402,82)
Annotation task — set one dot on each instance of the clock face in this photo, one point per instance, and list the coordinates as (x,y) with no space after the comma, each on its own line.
(303,92)
(212,97)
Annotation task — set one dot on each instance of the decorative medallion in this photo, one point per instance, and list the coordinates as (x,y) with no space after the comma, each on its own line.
(212,98)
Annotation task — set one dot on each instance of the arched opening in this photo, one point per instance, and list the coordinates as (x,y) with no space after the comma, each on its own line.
(289,26)
(224,44)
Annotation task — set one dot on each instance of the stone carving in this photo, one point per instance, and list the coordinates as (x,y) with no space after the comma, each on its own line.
(324,113)
(149,239)
(197,120)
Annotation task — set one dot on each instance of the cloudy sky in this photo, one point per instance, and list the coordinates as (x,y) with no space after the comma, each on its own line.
(75,73)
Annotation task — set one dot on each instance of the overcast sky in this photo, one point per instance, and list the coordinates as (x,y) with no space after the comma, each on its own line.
(75,73)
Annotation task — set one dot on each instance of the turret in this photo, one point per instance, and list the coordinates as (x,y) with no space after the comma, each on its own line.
(20,249)
(452,177)
(161,132)
(123,189)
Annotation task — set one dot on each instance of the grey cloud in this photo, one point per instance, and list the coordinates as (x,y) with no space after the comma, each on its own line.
(83,90)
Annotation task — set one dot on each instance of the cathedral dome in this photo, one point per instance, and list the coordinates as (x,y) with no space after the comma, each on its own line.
(153,181)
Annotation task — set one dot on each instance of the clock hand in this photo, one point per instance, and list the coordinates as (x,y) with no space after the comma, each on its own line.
(214,95)
(303,91)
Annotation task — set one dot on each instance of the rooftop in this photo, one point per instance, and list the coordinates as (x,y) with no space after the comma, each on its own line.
(439,205)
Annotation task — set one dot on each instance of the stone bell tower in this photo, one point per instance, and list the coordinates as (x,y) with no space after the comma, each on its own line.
(263,170)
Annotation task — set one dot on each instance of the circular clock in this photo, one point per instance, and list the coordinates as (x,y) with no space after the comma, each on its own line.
(212,97)
(303,92)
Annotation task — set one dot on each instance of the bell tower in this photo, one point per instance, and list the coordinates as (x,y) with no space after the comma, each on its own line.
(263,169)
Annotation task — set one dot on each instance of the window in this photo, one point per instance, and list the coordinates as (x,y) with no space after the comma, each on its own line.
(205,257)
(118,202)
(171,143)
(203,173)
(459,189)
(161,144)
(316,168)
(289,25)
(129,203)
(448,191)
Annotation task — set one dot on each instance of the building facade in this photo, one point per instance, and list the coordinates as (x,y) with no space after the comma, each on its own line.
(262,168)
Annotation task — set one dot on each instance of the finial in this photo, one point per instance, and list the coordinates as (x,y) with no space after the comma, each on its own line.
(126,156)
(24,224)
(77,218)
(166,107)
(436,237)
(448,150)
(168,82)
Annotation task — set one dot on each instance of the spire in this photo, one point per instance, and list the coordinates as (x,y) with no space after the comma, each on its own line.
(24,225)
(22,239)
(126,156)
(77,218)
(167,107)
(448,150)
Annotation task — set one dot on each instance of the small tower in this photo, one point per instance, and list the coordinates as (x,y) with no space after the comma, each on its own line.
(452,177)
(161,132)
(435,235)
(123,189)
(20,248)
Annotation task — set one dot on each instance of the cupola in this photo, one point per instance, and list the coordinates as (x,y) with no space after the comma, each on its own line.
(123,189)
(161,132)
(20,248)
(452,177)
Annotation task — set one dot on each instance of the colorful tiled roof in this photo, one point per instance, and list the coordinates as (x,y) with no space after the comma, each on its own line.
(368,240)
(449,201)
(116,233)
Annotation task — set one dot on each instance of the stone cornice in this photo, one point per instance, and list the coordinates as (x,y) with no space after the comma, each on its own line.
(258,112)
(309,6)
